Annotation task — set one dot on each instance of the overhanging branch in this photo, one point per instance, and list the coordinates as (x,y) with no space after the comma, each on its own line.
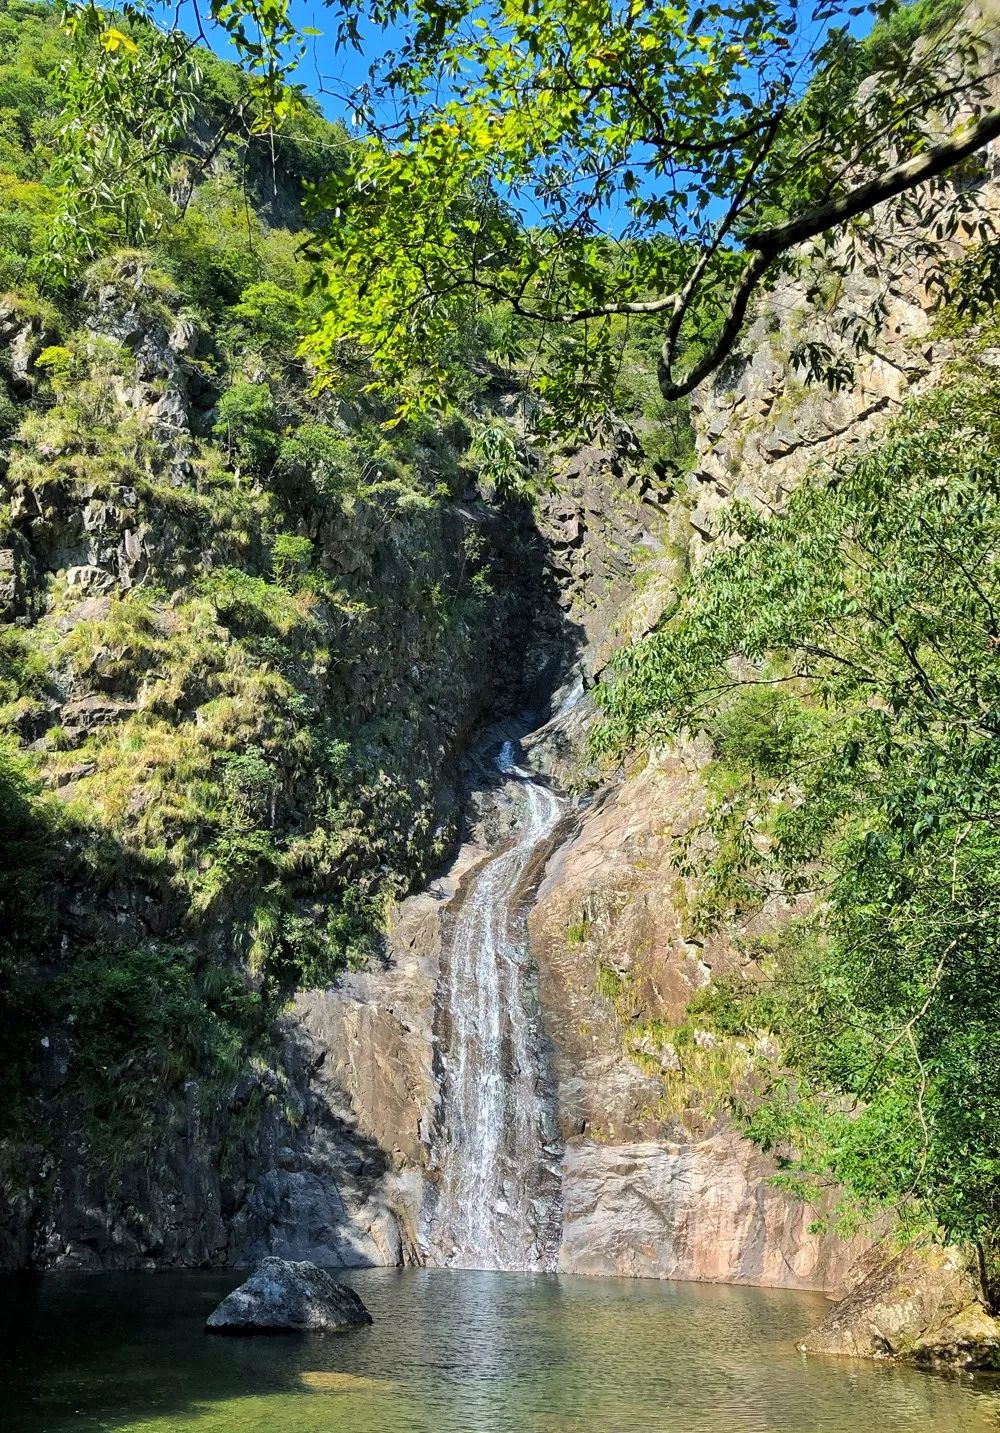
(767,245)
(930,164)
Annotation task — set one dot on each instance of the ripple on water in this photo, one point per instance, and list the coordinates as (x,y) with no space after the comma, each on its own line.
(454,1352)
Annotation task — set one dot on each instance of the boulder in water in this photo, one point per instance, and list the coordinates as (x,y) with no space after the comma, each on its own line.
(285,1297)
(920,1305)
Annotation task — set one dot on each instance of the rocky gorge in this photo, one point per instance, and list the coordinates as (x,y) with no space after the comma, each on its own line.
(314,708)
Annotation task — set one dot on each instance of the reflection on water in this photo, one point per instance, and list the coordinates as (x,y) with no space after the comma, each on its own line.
(453,1352)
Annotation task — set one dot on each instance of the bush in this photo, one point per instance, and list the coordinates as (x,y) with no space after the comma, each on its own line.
(319,459)
(290,556)
(247,421)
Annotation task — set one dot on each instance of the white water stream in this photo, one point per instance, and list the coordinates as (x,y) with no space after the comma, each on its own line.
(497,1201)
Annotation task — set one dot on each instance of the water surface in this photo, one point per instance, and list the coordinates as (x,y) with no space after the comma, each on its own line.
(453,1352)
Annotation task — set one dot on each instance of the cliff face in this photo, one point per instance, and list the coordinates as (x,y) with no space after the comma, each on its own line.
(375,1033)
(253,677)
(654,1182)
(321,1148)
(108,578)
(246,681)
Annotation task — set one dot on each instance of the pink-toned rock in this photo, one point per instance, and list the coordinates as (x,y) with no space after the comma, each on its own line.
(702,1211)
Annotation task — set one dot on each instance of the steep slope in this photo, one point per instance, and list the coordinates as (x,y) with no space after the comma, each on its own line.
(650,1181)
(247,634)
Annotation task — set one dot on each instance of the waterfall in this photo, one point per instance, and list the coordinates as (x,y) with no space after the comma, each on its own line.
(494,1147)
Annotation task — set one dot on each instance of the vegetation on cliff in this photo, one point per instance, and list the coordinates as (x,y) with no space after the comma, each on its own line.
(250,617)
(567,174)
(245,628)
(840,655)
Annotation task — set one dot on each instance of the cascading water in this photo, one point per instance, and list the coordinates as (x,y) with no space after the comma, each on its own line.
(495,1148)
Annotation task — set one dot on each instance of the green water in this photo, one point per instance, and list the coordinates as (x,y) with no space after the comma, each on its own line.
(453,1352)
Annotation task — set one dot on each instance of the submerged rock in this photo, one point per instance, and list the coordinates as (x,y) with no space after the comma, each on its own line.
(923,1306)
(281,1296)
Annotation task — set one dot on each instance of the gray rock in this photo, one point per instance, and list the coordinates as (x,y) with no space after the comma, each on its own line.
(326,1219)
(280,1296)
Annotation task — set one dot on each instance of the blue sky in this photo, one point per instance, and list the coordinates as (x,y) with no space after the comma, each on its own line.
(331,75)
(326,68)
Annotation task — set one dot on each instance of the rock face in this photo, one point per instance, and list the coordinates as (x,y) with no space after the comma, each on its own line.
(646,1190)
(309,1185)
(654,1184)
(283,1297)
(761,430)
(921,1305)
(286,1161)
(330,1147)
(701,1210)
(602,521)
(371,1037)
(610,902)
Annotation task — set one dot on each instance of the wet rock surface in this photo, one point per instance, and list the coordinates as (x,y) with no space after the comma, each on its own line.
(286,1297)
(643,1192)
(494,1197)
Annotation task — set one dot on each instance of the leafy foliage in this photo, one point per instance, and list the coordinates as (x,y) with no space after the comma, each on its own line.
(543,182)
(841,657)
(247,726)
(142,1019)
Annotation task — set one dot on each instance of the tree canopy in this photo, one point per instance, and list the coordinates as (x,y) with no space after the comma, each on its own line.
(840,657)
(582,168)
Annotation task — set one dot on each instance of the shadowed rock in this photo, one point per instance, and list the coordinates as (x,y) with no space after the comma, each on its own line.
(285,1297)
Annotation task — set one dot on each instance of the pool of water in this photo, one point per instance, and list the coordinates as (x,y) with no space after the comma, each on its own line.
(453,1352)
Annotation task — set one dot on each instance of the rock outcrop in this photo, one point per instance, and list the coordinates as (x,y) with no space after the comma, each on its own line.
(921,1305)
(604,521)
(284,1297)
(656,1183)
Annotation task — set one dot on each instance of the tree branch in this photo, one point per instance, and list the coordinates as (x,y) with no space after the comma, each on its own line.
(932,162)
(766,246)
